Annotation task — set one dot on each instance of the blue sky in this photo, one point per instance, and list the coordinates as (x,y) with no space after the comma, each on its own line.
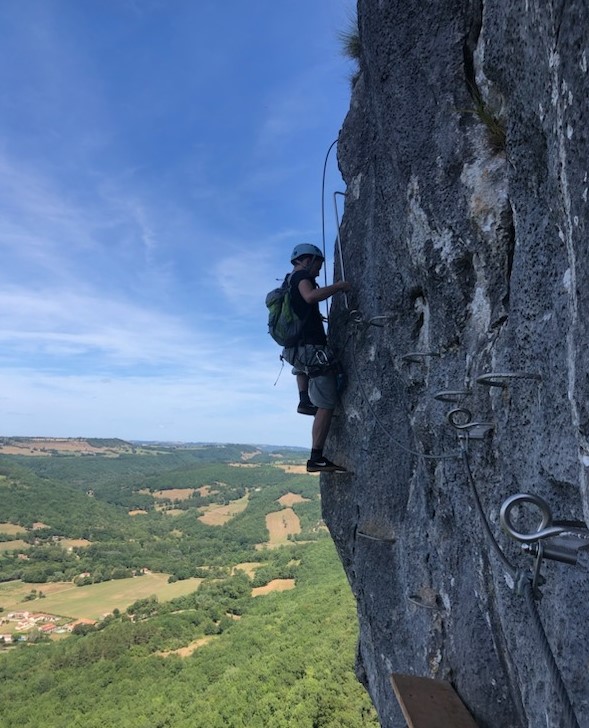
(159,159)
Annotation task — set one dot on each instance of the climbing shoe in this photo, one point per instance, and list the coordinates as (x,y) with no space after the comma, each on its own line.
(323,465)
(306,408)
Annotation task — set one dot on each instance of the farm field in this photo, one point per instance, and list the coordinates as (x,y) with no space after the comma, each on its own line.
(281,525)
(11,529)
(289,499)
(189,649)
(15,545)
(248,567)
(297,469)
(95,600)
(276,585)
(220,515)
(243,612)
(45,447)
(286,661)
(174,494)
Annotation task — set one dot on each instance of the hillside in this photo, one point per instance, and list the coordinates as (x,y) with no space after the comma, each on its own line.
(285,663)
(46,446)
(191,592)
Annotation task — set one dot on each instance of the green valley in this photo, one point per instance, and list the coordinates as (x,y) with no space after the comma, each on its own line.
(171,586)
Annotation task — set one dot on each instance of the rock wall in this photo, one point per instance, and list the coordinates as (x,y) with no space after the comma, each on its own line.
(465,154)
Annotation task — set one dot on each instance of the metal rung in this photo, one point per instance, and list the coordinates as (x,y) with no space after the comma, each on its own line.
(452,395)
(501,379)
(391,539)
(469,429)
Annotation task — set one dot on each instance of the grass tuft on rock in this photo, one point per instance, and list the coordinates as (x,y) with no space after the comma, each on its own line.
(494,124)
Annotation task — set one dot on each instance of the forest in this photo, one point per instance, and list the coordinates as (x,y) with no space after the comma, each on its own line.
(233,651)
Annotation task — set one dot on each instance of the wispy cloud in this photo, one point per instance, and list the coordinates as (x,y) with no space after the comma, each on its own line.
(35,212)
(252,269)
(134,373)
(240,405)
(147,207)
(48,232)
(61,324)
(296,106)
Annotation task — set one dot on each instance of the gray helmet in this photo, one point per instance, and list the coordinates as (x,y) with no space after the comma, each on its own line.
(306,249)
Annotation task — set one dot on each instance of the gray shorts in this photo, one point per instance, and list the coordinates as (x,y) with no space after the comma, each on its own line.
(317,363)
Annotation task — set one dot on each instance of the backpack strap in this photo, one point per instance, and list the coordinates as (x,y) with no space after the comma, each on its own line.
(302,341)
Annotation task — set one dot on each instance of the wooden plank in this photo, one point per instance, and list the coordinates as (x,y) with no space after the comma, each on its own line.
(428,703)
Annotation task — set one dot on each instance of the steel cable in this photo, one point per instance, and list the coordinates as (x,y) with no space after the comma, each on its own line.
(323,213)
(528,592)
(511,570)
(569,713)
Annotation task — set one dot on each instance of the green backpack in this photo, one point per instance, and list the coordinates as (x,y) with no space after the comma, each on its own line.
(284,326)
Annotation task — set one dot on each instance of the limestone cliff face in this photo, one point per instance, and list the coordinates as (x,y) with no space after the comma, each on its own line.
(473,249)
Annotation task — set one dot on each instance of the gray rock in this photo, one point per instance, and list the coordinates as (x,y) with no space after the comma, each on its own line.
(474,250)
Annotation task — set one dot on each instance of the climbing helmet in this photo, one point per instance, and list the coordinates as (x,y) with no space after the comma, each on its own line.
(306,249)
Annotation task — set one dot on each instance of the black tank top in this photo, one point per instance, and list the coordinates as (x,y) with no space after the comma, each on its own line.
(313,331)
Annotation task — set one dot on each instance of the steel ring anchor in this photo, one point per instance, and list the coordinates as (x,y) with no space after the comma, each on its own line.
(470,429)
(559,541)
(544,530)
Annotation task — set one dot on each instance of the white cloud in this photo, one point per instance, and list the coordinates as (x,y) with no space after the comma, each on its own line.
(36,221)
(62,323)
(241,279)
(242,405)
(111,238)
(128,211)
(246,275)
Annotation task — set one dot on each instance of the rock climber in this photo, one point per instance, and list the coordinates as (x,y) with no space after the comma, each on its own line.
(312,361)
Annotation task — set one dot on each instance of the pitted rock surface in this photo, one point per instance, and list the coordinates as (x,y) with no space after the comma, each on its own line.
(473,255)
